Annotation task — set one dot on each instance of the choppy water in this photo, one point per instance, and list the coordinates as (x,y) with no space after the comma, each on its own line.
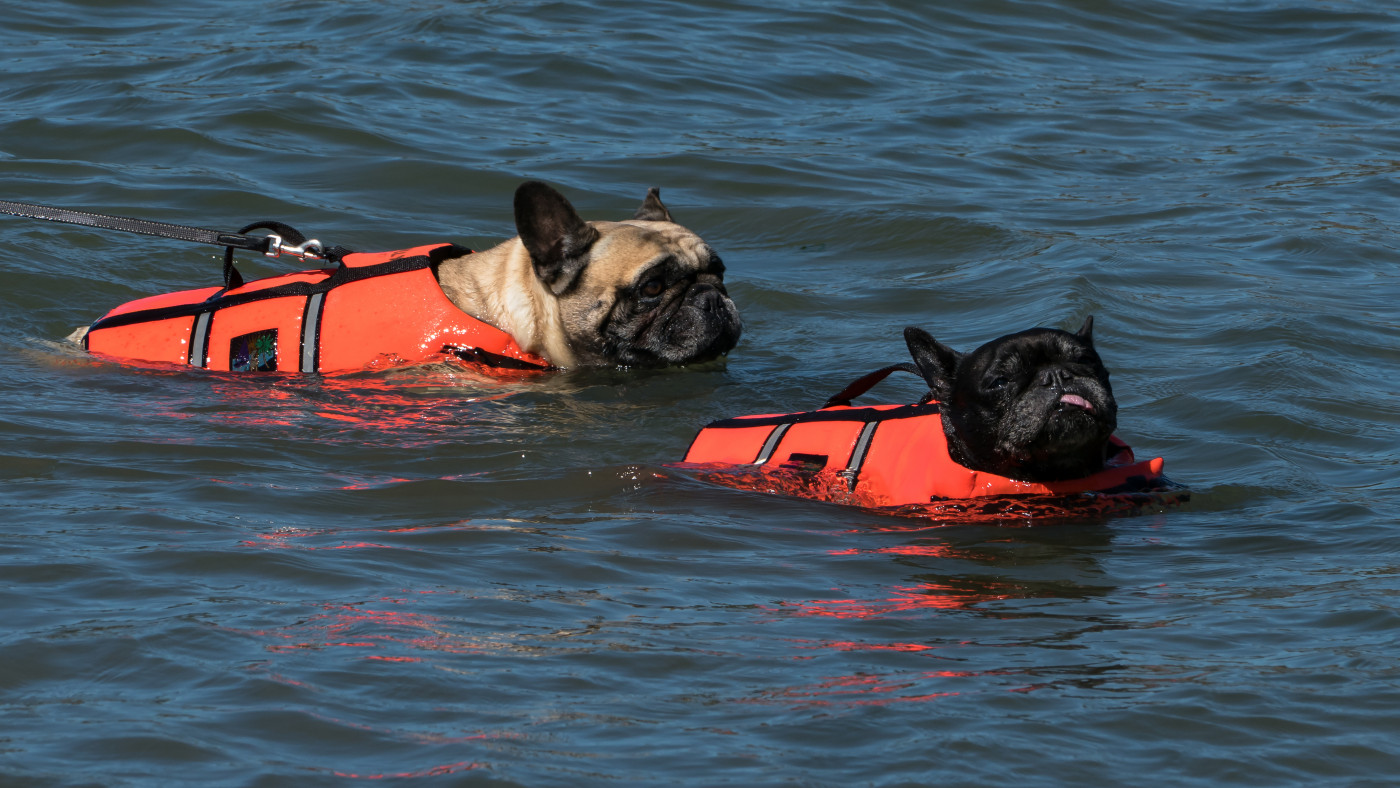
(417,577)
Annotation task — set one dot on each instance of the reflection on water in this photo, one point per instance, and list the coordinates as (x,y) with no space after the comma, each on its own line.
(914,686)
(1001,510)
(898,600)
(411,406)
(374,629)
(993,580)
(434,771)
(865,690)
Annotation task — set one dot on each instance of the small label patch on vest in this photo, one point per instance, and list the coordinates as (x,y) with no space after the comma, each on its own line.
(255,352)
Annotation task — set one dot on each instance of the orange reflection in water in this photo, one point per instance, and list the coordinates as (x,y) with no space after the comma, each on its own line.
(425,399)
(919,550)
(902,599)
(888,689)
(374,629)
(1003,510)
(862,690)
(283,541)
(421,399)
(296,538)
(435,771)
(1030,510)
(852,645)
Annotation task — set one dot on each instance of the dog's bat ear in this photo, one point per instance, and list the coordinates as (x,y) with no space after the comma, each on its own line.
(936,361)
(556,237)
(653,210)
(1086,331)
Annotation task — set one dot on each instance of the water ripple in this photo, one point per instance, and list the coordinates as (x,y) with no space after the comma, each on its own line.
(431,575)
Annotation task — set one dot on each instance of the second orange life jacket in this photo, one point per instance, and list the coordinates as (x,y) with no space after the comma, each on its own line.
(879,455)
(887,455)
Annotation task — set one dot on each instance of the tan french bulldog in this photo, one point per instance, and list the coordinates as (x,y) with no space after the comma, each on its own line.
(640,292)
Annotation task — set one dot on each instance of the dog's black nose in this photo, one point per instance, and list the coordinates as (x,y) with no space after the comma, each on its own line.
(706,297)
(1055,377)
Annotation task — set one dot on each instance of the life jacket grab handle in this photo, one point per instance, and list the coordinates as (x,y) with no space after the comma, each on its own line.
(868,382)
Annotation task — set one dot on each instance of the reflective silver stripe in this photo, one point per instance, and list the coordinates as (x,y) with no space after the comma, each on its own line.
(199,339)
(771,445)
(852,471)
(310,331)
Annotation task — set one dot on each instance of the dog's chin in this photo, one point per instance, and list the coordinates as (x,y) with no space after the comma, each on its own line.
(1069,441)
(702,326)
(1046,438)
(1071,427)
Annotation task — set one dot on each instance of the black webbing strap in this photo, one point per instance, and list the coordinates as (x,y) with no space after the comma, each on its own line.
(142,226)
(475,355)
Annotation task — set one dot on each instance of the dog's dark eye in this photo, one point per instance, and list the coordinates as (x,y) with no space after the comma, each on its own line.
(998,383)
(652,288)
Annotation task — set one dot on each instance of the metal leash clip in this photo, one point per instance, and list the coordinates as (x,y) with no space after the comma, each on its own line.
(310,249)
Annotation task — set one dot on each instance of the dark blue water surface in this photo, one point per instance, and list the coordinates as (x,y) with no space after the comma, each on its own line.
(429,578)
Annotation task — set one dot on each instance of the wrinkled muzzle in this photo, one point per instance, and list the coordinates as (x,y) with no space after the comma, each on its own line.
(703,325)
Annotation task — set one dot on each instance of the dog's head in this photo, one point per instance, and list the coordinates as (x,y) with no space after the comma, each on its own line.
(1035,405)
(641,292)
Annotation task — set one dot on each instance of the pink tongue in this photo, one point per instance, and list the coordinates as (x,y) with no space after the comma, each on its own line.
(1077,401)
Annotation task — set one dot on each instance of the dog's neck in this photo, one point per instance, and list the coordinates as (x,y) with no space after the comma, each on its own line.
(499,286)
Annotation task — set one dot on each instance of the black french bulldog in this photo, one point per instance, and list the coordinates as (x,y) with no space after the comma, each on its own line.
(1034,406)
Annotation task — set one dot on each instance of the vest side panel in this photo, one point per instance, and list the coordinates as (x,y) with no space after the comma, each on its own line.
(163,341)
(385,321)
(311,277)
(834,440)
(737,446)
(164,300)
(275,322)
(991,484)
(367,259)
(1110,477)
(905,462)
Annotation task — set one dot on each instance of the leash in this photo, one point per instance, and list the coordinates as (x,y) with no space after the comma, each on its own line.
(283,239)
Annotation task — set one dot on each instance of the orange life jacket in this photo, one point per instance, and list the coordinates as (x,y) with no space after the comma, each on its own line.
(372,310)
(884,455)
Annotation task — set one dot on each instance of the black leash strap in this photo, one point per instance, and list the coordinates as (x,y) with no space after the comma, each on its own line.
(193,234)
(282,240)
